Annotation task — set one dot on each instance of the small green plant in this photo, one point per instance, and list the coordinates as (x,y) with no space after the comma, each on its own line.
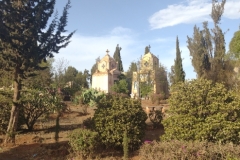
(83,141)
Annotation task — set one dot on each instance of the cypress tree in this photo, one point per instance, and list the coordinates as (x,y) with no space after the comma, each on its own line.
(178,68)
(26,41)
(117,57)
(147,49)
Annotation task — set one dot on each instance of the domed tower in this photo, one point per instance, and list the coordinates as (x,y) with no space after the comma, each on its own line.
(106,74)
(147,74)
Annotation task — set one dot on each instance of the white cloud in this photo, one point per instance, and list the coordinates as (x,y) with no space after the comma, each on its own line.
(121,31)
(192,11)
(83,50)
(232,9)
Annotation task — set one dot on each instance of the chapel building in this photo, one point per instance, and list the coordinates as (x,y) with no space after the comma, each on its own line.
(106,74)
(148,73)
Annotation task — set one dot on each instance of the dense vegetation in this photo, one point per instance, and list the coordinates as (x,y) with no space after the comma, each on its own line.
(203,110)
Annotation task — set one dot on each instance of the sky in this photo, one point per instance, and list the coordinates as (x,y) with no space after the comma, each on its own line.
(135,24)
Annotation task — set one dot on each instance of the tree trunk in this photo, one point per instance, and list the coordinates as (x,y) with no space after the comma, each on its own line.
(12,124)
(57,127)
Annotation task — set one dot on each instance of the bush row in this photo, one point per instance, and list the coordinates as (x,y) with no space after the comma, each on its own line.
(191,150)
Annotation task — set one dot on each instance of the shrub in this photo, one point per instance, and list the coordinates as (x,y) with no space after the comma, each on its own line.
(35,103)
(202,110)
(188,150)
(116,114)
(5,109)
(83,141)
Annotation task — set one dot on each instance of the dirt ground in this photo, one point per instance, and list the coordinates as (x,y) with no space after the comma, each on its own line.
(41,145)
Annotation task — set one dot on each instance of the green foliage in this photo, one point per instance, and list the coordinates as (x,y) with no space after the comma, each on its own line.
(83,141)
(208,51)
(179,74)
(125,145)
(5,108)
(121,86)
(129,75)
(117,58)
(163,80)
(203,110)
(189,151)
(234,46)
(42,78)
(145,89)
(35,103)
(92,97)
(26,40)
(114,115)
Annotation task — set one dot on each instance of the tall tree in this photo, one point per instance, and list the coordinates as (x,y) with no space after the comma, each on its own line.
(163,80)
(147,49)
(117,57)
(25,41)
(207,48)
(171,75)
(42,78)
(234,46)
(60,69)
(132,68)
(179,74)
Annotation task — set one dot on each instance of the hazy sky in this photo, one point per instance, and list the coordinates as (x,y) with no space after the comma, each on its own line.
(135,24)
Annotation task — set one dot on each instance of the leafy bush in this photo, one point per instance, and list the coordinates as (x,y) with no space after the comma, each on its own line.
(202,110)
(83,141)
(91,97)
(5,109)
(35,103)
(116,114)
(188,150)
(120,86)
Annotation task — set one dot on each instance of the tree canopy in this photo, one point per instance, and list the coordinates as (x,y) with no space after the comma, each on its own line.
(178,74)
(26,40)
(207,49)
(117,57)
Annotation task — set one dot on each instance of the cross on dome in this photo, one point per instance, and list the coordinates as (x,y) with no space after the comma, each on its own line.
(107,51)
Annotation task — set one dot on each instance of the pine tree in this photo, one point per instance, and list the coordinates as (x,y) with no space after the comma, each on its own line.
(163,80)
(117,57)
(207,48)
(179,74)
(25,41)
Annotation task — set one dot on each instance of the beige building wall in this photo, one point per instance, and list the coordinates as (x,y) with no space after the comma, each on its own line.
(106,74)
(100,82)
